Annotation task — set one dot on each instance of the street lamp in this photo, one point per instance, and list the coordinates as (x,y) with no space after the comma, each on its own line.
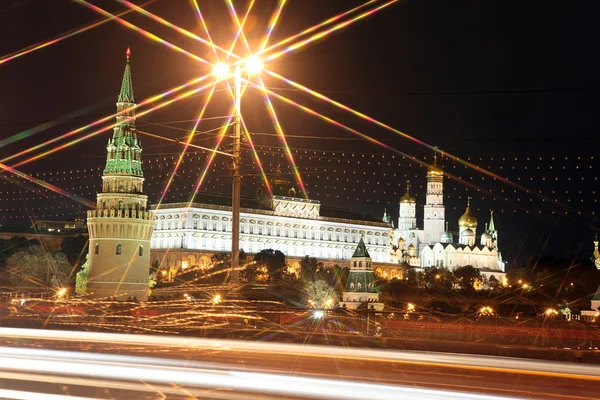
(252,65)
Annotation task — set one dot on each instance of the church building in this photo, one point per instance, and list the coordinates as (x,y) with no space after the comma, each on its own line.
(434,245)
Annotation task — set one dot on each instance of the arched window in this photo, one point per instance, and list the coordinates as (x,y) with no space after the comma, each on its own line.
(141,251)
(352,285)
(121,204)
(97,248)
(119,247)
(359,285)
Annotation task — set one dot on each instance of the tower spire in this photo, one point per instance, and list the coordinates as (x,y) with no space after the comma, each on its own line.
(126,94)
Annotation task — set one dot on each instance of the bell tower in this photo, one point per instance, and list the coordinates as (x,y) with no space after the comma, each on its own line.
(121,227)
(434,218)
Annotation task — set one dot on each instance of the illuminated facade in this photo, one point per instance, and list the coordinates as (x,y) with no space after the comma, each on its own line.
(360,286)
(594,314)
(434,245)
(121,226)
(282,221)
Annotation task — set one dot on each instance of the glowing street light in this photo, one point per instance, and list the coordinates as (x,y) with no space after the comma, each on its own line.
(221,70)
(252,65)
(551,312)
(216,299)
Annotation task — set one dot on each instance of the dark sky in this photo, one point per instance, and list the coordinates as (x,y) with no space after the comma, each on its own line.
(510,85)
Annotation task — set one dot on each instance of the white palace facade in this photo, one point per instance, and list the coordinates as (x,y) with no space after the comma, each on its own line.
(187,235)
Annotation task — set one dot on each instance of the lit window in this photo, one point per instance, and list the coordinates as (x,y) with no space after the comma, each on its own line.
(97,248)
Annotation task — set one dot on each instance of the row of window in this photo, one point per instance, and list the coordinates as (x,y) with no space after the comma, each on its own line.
(118,249)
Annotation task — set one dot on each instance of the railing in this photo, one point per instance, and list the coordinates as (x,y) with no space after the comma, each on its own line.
(124,213)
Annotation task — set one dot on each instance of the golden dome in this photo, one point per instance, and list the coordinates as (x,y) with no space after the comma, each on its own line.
(467,220)
(411,247)
(407,198)
(434,169)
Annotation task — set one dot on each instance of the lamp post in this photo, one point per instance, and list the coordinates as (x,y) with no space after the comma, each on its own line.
(252,65)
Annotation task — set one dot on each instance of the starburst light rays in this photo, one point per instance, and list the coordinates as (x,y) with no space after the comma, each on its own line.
(92,134)
(63,36)
(256,157)
(272,24)
(409,137)
(327,32)
(189,139)
(279,131)
(205,27)
(143,32)
(178,29)
(212,157)
(240,25)
(147,101)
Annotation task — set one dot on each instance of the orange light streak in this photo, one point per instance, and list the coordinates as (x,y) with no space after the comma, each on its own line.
(149,100)
(111,126)
(205,27)
(272,24)
(256,157)
(279,131)
(411,138)
(48,186)
(327,32)
(190,137)
(360,134)
(212,157)
(240,25)
(145,33)
(315,27)
(63,36)
(172,26)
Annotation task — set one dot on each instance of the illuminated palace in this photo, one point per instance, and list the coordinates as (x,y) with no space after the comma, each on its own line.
(187,235)
(434,245)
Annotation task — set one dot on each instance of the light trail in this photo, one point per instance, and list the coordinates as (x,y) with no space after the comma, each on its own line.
(36,365)
(279,131)
(415,140)
(63,36)
(256,157)
(147,101)
(499,364)
(272,24)
(111,126)
(190,137)
(176,28)
(327,32)
(315,27)
(144,33)
(205,27)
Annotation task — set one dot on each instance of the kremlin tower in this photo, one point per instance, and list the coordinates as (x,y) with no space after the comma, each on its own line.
(433,223)
(121,227)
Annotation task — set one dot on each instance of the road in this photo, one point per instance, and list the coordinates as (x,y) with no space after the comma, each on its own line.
(79,363)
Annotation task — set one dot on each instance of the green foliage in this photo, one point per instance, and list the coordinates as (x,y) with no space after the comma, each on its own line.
(8,247)
(318,291)
(467,277)
(438,278)
(35,266)
(308,268)
(273,261)
(493,283)
(75,248)
(82,278)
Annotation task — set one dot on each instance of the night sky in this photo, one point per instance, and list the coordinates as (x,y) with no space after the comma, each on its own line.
(511,86)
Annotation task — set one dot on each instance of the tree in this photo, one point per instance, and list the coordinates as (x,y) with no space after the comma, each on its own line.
(467,277)
(8,247)
(308,268)
(221,260)
(493,283)
(36,266)
(340,275)
(75,248)
(82,278)
(320,293)
(273,261)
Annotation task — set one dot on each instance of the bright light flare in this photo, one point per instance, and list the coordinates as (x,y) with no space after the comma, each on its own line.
(221,70)
(253,65)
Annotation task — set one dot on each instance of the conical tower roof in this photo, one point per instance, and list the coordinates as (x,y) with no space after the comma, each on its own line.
(126,93)
(361,250)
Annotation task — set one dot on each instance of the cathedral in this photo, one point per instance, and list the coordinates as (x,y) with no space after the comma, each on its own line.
(434,245)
